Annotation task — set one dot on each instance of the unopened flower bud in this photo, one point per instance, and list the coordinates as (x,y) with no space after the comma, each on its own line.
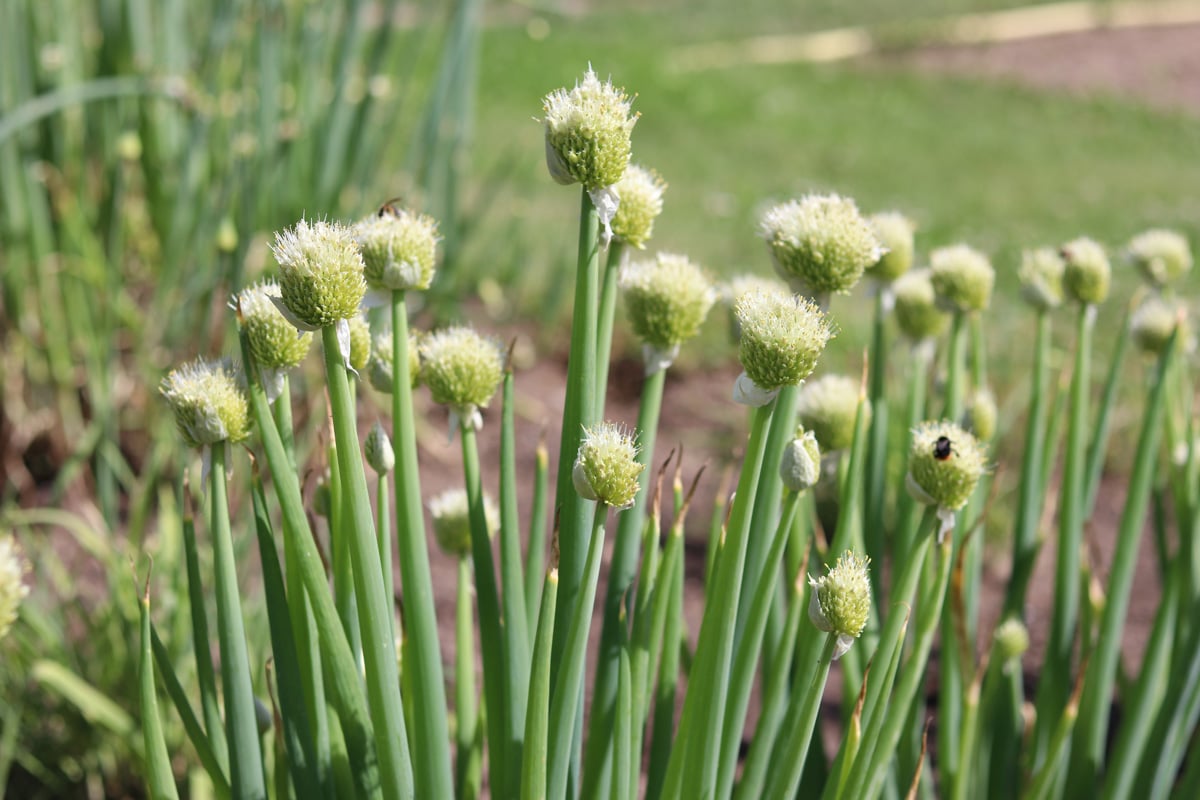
(1087,274)
(782,337)
(1041,276)
(380,367)
(916,310)
(588,132)
(208,402)
(962,278)
(895,234)
(841,600)
(820,243)
(1153,323)
(800,466)
(828,407)
(12,583)
(944,465)
(399,249)
(1012,639)
(1163,256)
(461,368)
(378,450)
(607,468)
(451,514)
(981,414)
(641,193)
(667,298)
(274,343)
(320,273)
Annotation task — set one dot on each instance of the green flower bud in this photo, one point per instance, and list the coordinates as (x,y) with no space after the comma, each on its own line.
(668,299)
(451,513)
(1012,640)
(462,369)
(380,368)
(641,193)
(378,450)
(274,343)
(208,402)
(1087,274)
(360,343)
(320,273)
(12,583)
(1163,256)
(962,278)
(841,600)
(1041,277)
(782,337)
(944,465)
(895,232)
(800,466)
(227,236)
(607,468)
(916,310)
(820,243)
(981,414)
(1153,323)
(399,249)
(828,407)
(588,132)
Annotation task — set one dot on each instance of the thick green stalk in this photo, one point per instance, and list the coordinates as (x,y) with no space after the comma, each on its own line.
(535,555)
(607,313)
(160,779)
(875,491)
(533,772)
(570,681)
(622,733)
(241,726)
(201,643)
(1100,431)
(433,773)
(282,408)
(956,374)
(341,561)
(794,749)
(516,632)
(908,511)
(1046,780)
(374,612)
(621,572)
(668,667)
(1088,753)
(383,522)
(470,758)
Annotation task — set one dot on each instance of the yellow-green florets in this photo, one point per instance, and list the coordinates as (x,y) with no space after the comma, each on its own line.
(820,243)
(1012,639)
(451,514)
(944,464)
(916,310)
(607,468)
(360,343)
(962,278)
(1087,274)
(274,343)
(12,582)
(1153,323)
(895,234)
(399,249)
(981,414)
(667,298)
(800,466)
(379,370)
(208,402)
(641,192)
(841,600)
(588,131)
(828,407)
(782,336)
(1041,277)
(378,450)
(320,273)
(461,368)
(1163,256)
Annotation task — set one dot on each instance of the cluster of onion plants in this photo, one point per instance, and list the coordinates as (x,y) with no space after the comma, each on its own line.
(835,546)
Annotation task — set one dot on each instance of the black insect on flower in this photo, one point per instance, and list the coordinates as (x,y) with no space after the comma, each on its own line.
(943,448)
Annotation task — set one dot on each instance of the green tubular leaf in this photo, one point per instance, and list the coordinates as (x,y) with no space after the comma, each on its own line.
(536,554)
(533,772)
(160,780)
(794,747)
(466,709)
(200,644)
(671,579)
(516,634)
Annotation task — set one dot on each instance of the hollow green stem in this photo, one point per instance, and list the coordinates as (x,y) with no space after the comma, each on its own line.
(160,779)
(607,313)
(533,772)
(955,369)
(470,758)
(535,555)
(794,749)
(516,632)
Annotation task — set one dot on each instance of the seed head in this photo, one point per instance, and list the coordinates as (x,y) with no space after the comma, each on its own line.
(360,342)
(1041,277)
(320,273)
(1163,256)
(962,278)
(841,600)
(607,468)
(399,249)
(461,368)
(641,193)
(273,340)
(380,367)
(800,467)
(1153,323)
(916,310)
(945,463)
(12,583)
(208,402)
(820,243)
(1087,274)
(451,513)
(1012,639)
(782,337)
(378,450)
(667,298)
(981,414)
(588,132)
(828,407)
(895,233)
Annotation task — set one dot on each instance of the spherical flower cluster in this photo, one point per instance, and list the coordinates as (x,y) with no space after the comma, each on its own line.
(981,414)
(399,249)
(274,343)
(1087,274)
(916,310)
(380,367)
(641,193)
(895,233)
(1153,323)
(360,343)
(451,514)
(607,468)
(588,132)
(1041,276)
(800,466)
(461,368)
(828,407)
(944,465)
(320,273)
(782,337)
(820,243)
(378,450)
(208,403)
(841,600)
(12,583)
(1163,256)
(667,299)
(962,278)
(1012,639)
